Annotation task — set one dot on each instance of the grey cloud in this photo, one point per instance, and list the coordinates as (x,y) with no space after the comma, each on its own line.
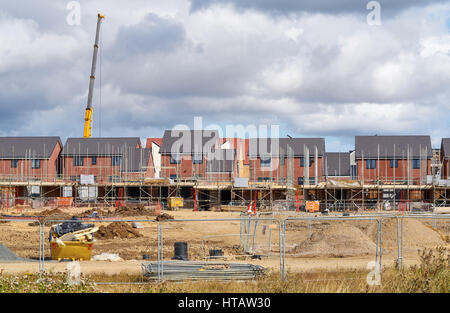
(277,7)
(153,34)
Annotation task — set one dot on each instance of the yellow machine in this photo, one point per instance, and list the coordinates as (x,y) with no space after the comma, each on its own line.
(175,202)
(88,115)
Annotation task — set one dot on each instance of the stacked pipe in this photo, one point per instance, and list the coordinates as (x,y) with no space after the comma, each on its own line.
(180,270)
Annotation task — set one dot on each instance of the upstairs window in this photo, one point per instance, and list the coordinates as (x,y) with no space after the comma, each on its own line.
(35,163)
(174,159)
(14,163)
(416,164)
(265,162)
(78,161)
(394,163)
(94,160)
(302,161)
(115,160)
(371,164)
(197,159)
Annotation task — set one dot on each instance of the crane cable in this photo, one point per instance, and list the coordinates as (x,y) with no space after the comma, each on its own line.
(100,81)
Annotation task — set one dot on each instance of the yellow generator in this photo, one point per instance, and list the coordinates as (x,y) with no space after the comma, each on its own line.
(175,202)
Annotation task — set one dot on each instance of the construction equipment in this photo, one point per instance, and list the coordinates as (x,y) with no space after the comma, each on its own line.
(175,202)
(88,115)
(72,240)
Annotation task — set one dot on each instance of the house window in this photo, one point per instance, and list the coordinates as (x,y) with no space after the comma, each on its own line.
(174,159)
(115,160)
(35,163)
(302,161)
(265,162)
(94,160)
(394,163)
(114,179)
(300,180)
(416,164)
(73,178)
(371,164)
(173,176)
(197,159)
(14,163)
(78,161)
(282,161)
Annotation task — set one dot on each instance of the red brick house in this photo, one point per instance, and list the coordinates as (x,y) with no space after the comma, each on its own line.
(393,158)
(337,164)
(184,152)
(29,158)
(107,159)
(286,159)
(445,158)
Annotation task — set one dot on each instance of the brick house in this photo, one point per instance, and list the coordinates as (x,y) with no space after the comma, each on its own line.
(389,158)
(184,152)
(33,158)
(286,159)
(445,158)
(107,159)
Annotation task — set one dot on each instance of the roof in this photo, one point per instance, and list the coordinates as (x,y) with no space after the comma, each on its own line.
(221,160)
(100,146)
(338,163)
(28,147)
(264,146)
(135,160)
(367,146)
(189,141)
(157,141)
(445,145)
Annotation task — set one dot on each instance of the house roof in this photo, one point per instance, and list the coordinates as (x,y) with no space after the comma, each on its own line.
(367,146)
(445,145)
(135,160)
(158,141)
(264,146)
(28,147)
(221,160)
(338,163)
(189,141)
(100,146)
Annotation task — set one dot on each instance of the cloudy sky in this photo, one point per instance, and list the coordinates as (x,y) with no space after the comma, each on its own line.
(316,68)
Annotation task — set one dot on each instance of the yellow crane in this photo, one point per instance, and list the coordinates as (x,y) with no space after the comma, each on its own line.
(88,115)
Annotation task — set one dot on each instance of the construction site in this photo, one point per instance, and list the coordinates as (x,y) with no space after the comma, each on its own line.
(193,205)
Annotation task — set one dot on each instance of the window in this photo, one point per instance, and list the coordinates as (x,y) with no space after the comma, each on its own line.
(394,163)
(115,160)
(14,163)
(371,164)
(174,159)
(78,161)
(73,178)
(94,160)
(35,163)
(282,161)
(416,164)
(265,179)
(197,159)
(265,162)
(300,180)
(302,161)
(173,176)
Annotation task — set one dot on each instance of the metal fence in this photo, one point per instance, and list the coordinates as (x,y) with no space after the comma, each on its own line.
(266,237)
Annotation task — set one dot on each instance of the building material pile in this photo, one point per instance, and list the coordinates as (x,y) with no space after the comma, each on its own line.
(180,270)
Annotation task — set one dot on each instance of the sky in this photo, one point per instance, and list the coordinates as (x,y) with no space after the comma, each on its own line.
(316,68)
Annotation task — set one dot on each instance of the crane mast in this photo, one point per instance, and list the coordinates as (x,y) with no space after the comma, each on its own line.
(88,115)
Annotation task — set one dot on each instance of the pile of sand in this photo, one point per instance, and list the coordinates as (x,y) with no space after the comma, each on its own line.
(117,230)
(416,234)
(164,217)
(335,240)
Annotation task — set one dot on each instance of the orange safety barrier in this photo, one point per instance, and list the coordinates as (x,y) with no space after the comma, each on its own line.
(64,201)
(312,206)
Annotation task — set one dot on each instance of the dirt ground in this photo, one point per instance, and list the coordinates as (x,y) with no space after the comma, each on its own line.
(310,246)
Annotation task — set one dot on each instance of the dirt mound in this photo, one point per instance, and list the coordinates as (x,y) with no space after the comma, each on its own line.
(416,234)
(117,230)
(139,210)
(164,217)
(335,240)
(54,214)
(101,213)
